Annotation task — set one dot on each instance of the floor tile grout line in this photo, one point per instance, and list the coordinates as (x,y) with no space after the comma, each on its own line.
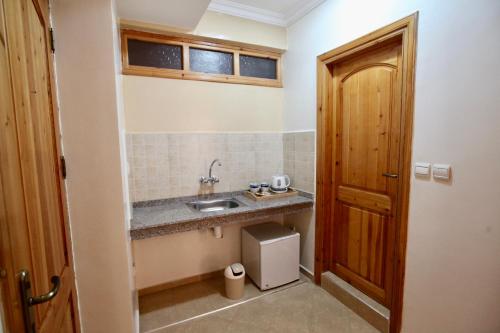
(300,282)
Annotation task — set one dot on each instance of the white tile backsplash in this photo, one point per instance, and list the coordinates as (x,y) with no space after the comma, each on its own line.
(299,159)
(164,165)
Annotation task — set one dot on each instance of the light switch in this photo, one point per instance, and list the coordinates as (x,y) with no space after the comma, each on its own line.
(422,169)
(441,171)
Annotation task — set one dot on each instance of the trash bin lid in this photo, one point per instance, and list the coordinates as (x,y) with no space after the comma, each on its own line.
(237,269)
(269,231)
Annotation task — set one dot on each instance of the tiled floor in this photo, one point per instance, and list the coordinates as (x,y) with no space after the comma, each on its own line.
(181,303)
(300,307)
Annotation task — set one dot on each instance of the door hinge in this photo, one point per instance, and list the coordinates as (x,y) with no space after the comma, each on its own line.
(52,43)
(63,167)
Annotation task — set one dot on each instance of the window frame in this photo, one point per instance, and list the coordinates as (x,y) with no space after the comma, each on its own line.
(186,41)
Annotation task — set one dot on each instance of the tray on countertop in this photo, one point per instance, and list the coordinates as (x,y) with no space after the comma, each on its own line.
(270,195)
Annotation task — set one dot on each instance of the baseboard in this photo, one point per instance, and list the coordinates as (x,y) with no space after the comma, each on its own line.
(368,309)
(197,278)
(306,272)
(180,282)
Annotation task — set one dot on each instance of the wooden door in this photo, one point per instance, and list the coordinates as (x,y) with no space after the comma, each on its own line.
(33,219)
(367,90)
(365,123)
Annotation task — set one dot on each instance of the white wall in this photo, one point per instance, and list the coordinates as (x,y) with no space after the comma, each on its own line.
(90,108)
(453,267)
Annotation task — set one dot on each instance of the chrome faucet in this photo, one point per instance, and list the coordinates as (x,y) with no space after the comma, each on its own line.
(211,179)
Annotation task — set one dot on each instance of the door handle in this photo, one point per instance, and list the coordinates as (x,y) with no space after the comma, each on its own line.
(56,283)
(390,175)
(28,301)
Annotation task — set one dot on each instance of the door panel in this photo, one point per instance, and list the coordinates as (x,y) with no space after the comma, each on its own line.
(36,237)
(45,148)
(373,201)
(362,237)
(13,227)
(67,325)
(367,90)
(366,108)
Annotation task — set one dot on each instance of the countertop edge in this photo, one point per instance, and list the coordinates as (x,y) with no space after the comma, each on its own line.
(212,221)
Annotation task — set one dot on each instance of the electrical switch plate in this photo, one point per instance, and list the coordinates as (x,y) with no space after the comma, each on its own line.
(441,171)
(422,169)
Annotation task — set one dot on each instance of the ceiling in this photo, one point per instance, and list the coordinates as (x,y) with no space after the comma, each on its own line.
(278,12)
(185,15)
(280,6)
(179,14)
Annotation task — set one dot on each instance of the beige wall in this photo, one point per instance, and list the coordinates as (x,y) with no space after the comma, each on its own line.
(172,257)
(453,267)
(169,105)
(87,70)
(229,27)
(222,26)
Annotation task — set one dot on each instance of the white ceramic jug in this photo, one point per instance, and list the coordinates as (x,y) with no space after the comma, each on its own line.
(280,182)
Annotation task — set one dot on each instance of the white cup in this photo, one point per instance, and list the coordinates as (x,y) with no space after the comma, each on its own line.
(254,187)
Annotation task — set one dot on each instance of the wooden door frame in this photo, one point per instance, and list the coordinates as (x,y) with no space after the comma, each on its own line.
(18,59)
(406,30)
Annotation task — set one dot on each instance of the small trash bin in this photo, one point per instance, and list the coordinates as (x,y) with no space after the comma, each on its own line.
(235,281)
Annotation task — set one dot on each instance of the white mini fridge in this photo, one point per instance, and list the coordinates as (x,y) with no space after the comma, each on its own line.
(270,254)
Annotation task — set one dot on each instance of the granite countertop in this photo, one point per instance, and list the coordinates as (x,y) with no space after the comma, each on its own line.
(168,216)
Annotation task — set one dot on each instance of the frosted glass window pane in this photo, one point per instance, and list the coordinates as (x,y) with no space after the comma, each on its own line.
(258,67)
(208,61)
(149,54)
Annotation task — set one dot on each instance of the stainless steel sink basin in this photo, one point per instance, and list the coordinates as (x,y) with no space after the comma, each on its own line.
(214,205)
